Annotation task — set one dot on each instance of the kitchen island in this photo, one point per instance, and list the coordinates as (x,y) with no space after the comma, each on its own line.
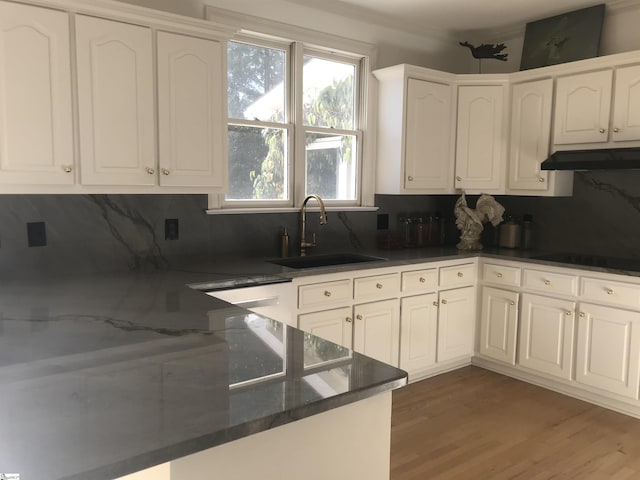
(107,375)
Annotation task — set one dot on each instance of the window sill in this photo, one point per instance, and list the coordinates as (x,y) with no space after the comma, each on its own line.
(312,208)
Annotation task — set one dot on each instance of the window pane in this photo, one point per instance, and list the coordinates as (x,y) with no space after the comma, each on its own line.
(255,78)
(257,163)
(328,93)
(331,166)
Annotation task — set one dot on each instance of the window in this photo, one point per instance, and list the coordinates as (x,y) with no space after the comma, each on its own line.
(294,125)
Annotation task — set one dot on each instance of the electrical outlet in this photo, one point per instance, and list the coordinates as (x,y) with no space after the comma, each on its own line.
(36,234)
(171,229)
(383,221)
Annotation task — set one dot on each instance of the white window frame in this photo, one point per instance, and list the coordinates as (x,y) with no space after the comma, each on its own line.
(275,34)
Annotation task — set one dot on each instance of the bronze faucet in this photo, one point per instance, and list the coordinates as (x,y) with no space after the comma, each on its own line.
(303,221)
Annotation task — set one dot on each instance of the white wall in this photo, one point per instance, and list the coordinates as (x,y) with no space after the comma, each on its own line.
(394,45)
(619,34)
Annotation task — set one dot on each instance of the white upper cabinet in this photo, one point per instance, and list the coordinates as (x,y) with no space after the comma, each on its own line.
(416,125)
(626,109)
(530,134)
(583,103)
(190,110)
(480,138)
(116,103)
(428,157)
(36,133)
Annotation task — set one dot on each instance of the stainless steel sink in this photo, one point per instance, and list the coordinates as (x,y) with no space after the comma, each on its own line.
(315,261)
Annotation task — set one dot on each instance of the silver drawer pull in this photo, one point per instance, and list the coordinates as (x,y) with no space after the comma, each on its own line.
(422,279)
(165,171)
(512,303)
(460,274)
(443,301)
(410,178)
(150,171)
(359,317)
(609,291)
(67,168)
(602,130)
(435,303)
(378,286)
(348,319)
(582,314)
(499,275)
(547,282)
(568,312)
(327,293)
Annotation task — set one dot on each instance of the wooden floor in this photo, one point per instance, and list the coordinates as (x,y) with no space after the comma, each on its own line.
(475,424)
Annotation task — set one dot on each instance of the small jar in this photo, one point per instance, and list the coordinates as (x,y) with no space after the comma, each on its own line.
(510,233)
(421,233)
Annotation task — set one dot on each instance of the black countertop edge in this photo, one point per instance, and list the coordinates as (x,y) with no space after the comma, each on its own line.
(237,432)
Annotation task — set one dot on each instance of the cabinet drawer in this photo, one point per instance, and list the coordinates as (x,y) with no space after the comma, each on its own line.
(327,293)
(501,274)
(624,294)
(558,283)
(378,286)
(420,280)
(457,275)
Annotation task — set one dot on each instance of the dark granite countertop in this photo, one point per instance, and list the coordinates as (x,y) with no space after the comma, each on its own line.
(107,374)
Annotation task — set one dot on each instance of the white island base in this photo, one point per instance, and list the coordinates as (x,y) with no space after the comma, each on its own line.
(346,443)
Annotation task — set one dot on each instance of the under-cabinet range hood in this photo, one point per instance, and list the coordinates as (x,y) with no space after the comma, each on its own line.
(597,159)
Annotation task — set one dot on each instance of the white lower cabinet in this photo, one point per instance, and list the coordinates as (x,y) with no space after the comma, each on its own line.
(609,349)
(546,335)
(498,324)
(456,320)
(335,325)
(418,332)
(377,330)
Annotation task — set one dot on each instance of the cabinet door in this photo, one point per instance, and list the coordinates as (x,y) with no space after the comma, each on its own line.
(456,320)
(530,133)
(334,325)
(546,335)
(583,103)
(626,108)
(418,332)
(609,349)
(479,155)
(428,149)
(377,330)
(36,139)
(191,126)
(115,99)
(498,324)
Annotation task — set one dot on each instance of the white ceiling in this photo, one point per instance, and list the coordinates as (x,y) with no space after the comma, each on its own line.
(450,16)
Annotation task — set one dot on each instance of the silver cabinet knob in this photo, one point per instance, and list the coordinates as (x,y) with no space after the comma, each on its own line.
(568,312)
(512,303)
(348,320)
(582,314)
(165,171)
(547,282)
(609,291)
(498,274)
(459,179)
(410,178)
(460,274)
(150,171)
(602,130)
(541,179)
(327,293)
(443,301)
(67,168)
(379,286)
(616,130)
(422,279)
(359,317)
(435,303)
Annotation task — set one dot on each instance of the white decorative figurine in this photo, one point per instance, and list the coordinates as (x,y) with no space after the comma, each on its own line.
(470,221)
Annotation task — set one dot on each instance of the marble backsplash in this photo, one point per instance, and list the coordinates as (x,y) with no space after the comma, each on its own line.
(102,233)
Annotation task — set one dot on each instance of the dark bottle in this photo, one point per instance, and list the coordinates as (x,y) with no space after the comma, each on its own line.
(527,231)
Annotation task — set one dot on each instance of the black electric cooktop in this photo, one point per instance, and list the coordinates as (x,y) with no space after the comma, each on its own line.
(614,263)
